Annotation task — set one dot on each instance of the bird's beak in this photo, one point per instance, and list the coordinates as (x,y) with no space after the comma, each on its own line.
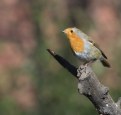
(64,31)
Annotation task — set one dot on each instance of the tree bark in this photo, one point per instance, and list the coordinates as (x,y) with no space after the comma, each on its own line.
(89,86)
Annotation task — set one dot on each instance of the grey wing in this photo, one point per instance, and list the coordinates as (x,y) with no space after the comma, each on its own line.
(98,48)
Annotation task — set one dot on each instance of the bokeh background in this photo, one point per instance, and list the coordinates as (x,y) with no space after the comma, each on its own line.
(31,81)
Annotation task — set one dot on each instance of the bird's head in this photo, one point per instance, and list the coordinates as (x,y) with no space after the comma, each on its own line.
(75,38)
(74,32)
(70,32)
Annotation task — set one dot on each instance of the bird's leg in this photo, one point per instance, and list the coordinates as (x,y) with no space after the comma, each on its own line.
(84,71)
(90,62)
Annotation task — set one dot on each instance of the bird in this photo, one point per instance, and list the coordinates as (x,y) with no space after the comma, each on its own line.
(84,48)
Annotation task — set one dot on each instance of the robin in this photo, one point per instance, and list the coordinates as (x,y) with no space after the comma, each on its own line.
(84,48)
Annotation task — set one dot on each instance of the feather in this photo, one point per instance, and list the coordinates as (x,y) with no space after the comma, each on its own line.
(98,48)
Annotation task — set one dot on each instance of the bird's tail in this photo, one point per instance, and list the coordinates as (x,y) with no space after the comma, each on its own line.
(105,63)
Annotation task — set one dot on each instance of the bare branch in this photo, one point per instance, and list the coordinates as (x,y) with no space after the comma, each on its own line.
(71,68)
(90,86)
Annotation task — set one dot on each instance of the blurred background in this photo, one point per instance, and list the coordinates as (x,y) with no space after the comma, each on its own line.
(31,81)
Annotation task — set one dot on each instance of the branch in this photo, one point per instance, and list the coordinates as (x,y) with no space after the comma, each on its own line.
(90,86)
(71,68)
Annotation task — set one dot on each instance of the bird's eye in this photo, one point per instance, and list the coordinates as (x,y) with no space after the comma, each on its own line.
(71,31)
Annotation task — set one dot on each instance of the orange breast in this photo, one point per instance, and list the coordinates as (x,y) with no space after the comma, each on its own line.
(77,44)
